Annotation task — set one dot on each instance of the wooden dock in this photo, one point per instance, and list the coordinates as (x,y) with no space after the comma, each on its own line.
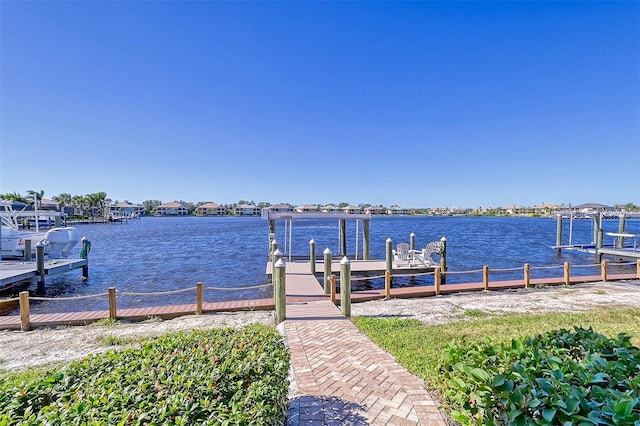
(14,272)
(302,287)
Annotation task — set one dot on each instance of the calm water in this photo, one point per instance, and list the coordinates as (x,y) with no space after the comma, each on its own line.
(159,254)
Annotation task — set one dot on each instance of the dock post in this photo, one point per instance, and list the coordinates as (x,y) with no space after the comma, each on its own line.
(199,298)
(443,259)
(597,229)
(621,226)
(27,250)
(387,285)
(274,247)
(333,289)
(603,270)
(57,221)
(280,293)
(412,246)
(312,255)
(365,240)
(112,303)
(527,275)
(327,269)
(345,286)
(84,254)
(485,277)
(277,254)
(567,273)
(389,254)
(25,322)
(638,269)
(437,277)
(559,232)
(343,237)
(40,266)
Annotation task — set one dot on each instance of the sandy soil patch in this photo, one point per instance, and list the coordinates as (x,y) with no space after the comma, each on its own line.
(19,350)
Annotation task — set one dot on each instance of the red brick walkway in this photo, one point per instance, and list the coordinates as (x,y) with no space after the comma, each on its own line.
(342,377)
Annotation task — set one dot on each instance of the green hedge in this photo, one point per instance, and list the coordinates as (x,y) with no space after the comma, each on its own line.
(221,376)
(562,377)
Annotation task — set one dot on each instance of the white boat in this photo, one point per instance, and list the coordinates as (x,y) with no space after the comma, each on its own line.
(58,241)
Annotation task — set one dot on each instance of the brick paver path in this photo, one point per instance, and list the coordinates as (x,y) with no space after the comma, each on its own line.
(343,378)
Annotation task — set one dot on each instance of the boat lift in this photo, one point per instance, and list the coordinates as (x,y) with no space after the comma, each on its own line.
(289,217)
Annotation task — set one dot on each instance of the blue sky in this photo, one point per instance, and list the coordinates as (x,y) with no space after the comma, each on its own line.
(420,104)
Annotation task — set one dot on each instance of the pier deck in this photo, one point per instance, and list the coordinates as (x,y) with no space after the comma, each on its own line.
(14,271)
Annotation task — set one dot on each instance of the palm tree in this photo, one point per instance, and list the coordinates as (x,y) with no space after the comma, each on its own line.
(63,200)
(35,196)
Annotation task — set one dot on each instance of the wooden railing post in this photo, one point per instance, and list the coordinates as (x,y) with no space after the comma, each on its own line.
(436,280)
(638,269)
(603,270)
(199,298)
(40,266)
(485,277)
(27,250)
(527,275)
(387,285)
(345,286)
(567,273)
(25,322)
(333,289)
(112,303)
(280,293)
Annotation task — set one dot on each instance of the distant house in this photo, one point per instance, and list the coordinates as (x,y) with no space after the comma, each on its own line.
(45,204)
(171,209)
(247,210)
(282,208)
(591,208)
(211,209)
(461,211)
(352,209)
(547,209)
(305,208)
(375,210)
(126,208)
(330,208)
(398,211)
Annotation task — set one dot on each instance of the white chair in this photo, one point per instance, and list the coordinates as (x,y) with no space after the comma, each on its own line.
(402,254)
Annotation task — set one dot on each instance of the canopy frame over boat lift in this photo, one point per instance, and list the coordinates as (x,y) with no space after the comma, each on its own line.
(289,217)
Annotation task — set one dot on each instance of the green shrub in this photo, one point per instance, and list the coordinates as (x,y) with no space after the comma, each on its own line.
(222,376)
(561,377)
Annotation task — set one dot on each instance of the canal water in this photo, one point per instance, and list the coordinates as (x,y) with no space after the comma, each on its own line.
(159,254)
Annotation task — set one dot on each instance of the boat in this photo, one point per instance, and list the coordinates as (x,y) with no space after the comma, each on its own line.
(58,241)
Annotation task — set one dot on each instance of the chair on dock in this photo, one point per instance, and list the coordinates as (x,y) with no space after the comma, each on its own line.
(402,254)
(424,255)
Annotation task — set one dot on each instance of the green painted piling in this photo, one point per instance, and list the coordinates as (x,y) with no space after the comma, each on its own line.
(40,266)
(277,255)
(327,270)
(279,290)
(312,255)
(345,286)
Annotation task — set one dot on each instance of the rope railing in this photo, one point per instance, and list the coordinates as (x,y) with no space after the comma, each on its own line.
(438,274)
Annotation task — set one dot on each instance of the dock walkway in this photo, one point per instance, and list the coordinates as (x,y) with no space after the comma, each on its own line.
(341,376)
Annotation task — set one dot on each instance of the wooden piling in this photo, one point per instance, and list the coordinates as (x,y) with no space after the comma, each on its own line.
(638,269)
(327,269)
(387,285)
(343,237)
(389,254)
(365,240)
(443,259)
(485,277)
(559,232)
(312,255)
(603,270)
(345,286)
(112,303)
(567,273)
(621,226)
(437,278)
(527,275)
(199,298)
(27,250)
(280,293)
(25,321)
